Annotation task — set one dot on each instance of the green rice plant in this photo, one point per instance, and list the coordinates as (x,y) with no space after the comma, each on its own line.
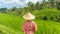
(13,24)
(5,30)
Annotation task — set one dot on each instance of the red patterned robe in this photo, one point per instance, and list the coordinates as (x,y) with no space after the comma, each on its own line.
(29,27)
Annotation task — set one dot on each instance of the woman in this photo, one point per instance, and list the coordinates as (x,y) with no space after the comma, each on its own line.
(29,26)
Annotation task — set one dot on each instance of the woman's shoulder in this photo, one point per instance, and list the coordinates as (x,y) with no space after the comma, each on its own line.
(33,22)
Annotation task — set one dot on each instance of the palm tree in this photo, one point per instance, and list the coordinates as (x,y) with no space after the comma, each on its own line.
(44,3)
(53,3)
(37,5)
(30,6)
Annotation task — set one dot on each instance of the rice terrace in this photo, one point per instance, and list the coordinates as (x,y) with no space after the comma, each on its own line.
(46,12)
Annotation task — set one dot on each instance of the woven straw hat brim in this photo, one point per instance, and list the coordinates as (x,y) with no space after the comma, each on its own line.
(29,16)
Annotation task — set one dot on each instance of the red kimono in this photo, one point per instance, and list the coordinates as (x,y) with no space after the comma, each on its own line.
(29,27)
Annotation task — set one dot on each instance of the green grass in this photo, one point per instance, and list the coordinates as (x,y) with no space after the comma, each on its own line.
(48,27)
(5,30)
(15,23)
(11,21)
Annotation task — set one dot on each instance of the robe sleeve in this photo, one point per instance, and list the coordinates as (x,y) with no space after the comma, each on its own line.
(35,27)
(23,27)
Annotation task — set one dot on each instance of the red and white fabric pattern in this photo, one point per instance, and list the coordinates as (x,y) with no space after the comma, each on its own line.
(29,27)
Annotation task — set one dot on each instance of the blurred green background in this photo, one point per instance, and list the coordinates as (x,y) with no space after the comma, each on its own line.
(47,15)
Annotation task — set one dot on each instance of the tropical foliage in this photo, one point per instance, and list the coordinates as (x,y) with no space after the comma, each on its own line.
(47,17)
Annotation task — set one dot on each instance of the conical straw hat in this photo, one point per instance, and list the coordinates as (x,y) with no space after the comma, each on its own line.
(29,16)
